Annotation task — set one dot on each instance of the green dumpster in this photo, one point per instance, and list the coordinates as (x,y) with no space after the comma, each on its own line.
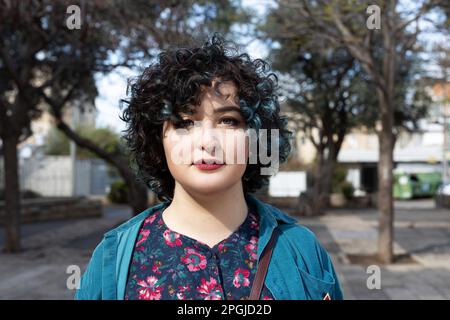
(416,185)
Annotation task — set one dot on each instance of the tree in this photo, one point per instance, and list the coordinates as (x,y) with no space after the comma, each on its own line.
(380,52)
(50,53)
(57,143)
(326,101)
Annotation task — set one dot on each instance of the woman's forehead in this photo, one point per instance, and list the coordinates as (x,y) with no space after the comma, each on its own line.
(227,86)
(225,89)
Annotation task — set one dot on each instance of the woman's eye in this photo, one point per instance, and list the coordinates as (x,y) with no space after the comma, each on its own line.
(230,121)
(184,123)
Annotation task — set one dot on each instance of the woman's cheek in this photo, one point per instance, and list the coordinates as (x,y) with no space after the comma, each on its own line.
(178,149)
(236,148)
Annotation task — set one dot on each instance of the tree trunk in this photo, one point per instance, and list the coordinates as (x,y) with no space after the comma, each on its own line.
(12,194)
(314,204)
(317,198)
(327,174)
(138,196)
(387,141)
(385,179)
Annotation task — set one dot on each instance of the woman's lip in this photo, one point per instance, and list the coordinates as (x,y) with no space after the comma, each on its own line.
(206,166)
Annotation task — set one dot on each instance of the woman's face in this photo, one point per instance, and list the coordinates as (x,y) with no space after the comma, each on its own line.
(207,153)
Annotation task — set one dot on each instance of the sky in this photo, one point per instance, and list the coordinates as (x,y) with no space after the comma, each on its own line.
(113,87)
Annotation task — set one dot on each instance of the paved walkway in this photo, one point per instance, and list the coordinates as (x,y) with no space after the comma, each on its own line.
(39,272)
(420,230)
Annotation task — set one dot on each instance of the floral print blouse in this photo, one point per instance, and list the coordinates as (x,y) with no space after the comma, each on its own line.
(167,265)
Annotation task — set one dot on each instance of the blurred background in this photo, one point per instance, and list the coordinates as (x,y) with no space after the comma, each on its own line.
(365,85)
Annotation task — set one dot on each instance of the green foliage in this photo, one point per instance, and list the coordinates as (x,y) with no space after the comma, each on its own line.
(57,144)
(306,51)
(338,178)
(339,184)
(347,189)
(105,138)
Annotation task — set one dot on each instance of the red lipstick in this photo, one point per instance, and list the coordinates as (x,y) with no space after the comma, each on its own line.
(207,166)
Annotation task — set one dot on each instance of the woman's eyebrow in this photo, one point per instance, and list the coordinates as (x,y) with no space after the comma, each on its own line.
(222,109)
(226,109)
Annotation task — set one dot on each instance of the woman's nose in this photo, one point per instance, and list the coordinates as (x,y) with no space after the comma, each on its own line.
(209,137)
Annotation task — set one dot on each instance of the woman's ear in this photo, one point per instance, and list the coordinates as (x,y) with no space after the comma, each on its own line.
(164,128)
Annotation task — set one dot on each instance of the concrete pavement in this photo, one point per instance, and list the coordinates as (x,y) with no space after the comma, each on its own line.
(39,272)
(421,231)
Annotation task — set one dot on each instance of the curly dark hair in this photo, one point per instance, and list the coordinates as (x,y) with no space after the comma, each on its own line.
(173,85)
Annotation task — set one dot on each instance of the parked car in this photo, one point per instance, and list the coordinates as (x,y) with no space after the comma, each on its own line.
(442,196)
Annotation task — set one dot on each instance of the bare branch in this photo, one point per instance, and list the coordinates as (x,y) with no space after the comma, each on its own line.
(423,9)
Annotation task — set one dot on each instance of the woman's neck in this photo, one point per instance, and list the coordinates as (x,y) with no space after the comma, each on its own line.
(209,218)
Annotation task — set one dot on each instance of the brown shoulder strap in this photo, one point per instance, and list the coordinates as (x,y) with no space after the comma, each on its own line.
(263,265)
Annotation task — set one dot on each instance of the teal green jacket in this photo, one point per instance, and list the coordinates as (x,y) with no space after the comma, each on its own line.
(300,268)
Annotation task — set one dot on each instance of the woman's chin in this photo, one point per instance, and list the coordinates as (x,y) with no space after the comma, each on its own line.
(209,185)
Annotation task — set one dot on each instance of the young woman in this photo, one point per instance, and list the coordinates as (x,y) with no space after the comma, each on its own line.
(189,121)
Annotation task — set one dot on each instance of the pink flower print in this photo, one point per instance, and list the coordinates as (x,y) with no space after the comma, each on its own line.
(251,248)
(150,219)
(254,223)
(156,266)
(210,290)
(267,298)
(181,293)
(194,260)
(150,290)
(143,267)
(172,238)
(241,278)
(143,236)
(222,248)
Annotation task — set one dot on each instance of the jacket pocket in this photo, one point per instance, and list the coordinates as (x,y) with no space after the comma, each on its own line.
(315,288)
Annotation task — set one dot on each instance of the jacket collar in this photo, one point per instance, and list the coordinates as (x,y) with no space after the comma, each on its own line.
(274,215)
(270,216)
(119,242)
